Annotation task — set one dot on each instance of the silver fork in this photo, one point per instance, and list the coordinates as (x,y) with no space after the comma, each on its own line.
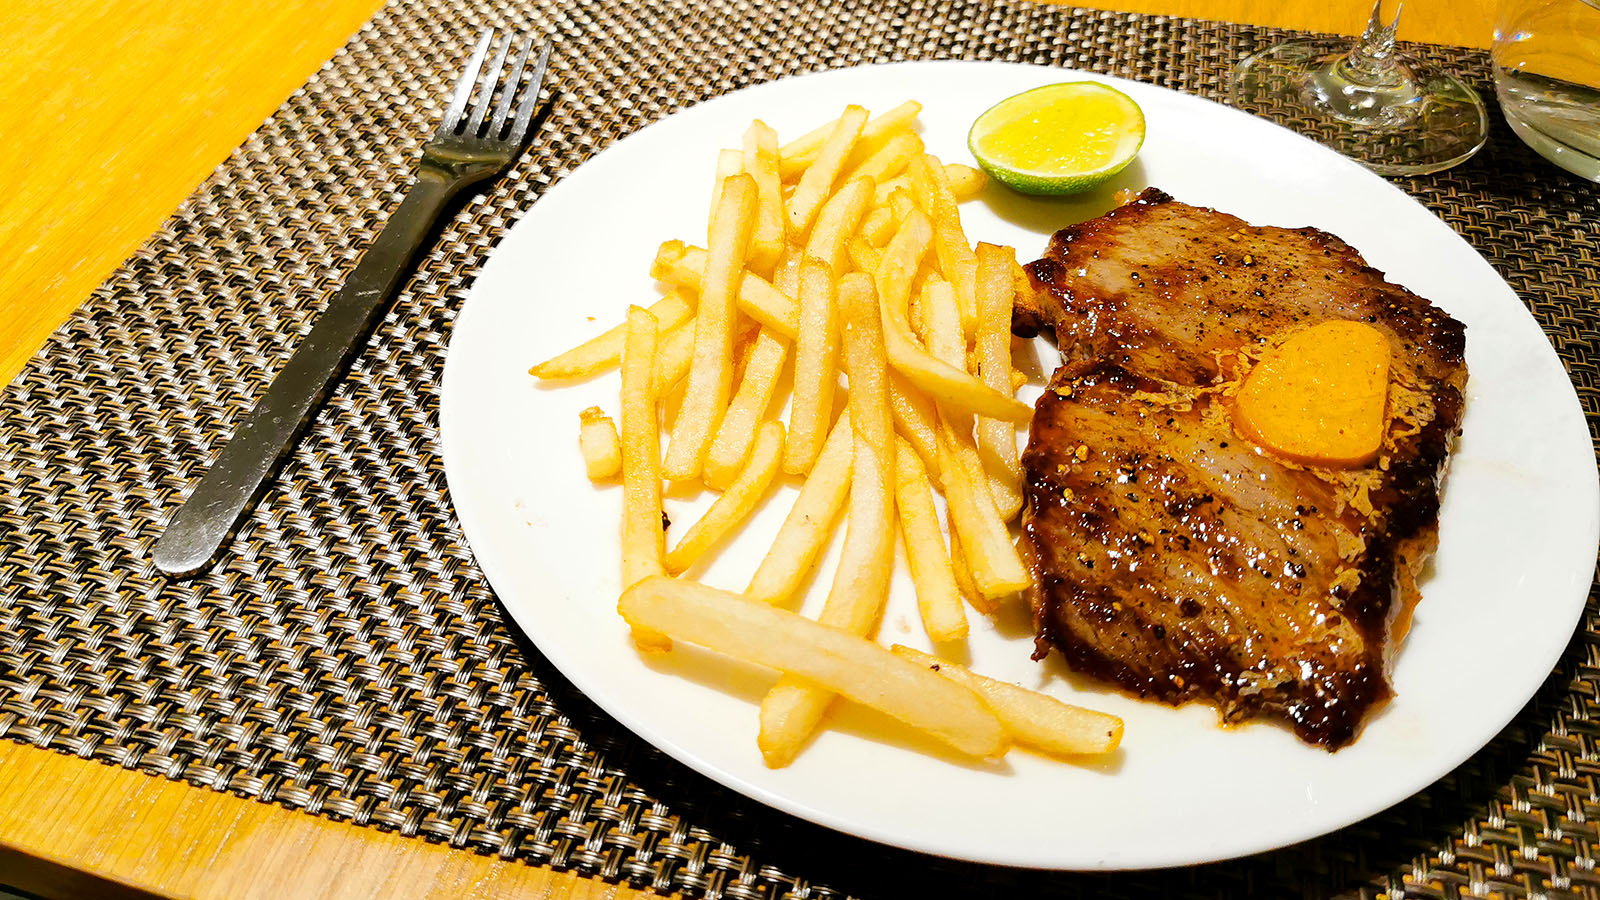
(460,154)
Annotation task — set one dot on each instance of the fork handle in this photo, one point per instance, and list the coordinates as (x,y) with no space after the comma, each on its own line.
(235,480)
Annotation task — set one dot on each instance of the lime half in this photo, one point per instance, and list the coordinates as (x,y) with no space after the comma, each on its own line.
(1058,139)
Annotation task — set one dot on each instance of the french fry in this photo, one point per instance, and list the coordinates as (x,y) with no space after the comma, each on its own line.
(836,222)
(679,264)
(711,371)
(786,280)
(951,385)
(887,189)
(878,226)
(793,707)
(729,163)
(601,353)
(1029,717)
(901,205)
(956,259)
(963,573)
(835,661)
(938,597)
(673,356)
(997,439)
(864,256)
(734,436)
(915,421)
(599,444)
(996,566)
(761,161)
(941,323)
(735,504)
(816,183)
(997,569)
(644,542)
(816,358)
(809,525)
(889,160)
(965,181)
(796,155)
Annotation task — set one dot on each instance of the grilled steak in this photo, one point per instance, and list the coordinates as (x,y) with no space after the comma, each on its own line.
(1172,556)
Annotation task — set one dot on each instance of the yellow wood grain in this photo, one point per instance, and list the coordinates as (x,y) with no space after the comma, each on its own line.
(110,114)
(71,828)
(1464,23)
(112,111)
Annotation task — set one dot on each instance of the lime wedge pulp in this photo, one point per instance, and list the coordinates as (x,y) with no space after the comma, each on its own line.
(1058,139)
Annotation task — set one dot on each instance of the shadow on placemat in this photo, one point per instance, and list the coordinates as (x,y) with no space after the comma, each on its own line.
(348,660)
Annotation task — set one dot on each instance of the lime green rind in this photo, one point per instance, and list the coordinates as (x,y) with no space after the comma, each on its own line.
(1042,184)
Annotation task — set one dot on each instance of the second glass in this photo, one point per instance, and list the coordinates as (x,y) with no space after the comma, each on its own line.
(1393,113)
(1547,77)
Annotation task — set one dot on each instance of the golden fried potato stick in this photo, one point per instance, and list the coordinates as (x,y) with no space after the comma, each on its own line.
(599,444)
(837,222)
(940,326)
(863,256)
(997,439)
(996,566)
(793,707)
(879,224)
(817,181)
(889,160)
(958,562)
(729,163)
(816,366)
(735,504)
(965,181)
(761,161)
(809,525)
(914,420)
(938,597)
(644,542)
(800,153)
(735,434)
(711,372)
(1029,717)
(952,385)
(786,277)
(673,355)
(679,264)
(601,353)
(956,259)
(901,205)
(965,184)
(834,660)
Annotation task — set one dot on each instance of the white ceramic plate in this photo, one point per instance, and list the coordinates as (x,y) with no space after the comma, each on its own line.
(1517,533)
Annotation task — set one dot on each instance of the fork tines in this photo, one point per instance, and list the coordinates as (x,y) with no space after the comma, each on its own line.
(485,89)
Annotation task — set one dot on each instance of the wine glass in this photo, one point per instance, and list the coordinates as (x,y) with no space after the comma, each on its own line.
(1391,112)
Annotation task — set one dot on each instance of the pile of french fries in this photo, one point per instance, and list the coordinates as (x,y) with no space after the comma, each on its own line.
(844,251)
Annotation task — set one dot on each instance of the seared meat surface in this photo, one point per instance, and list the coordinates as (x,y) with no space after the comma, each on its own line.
(1172,556)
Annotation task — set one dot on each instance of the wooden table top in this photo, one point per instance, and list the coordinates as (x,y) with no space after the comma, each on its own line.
(113,113)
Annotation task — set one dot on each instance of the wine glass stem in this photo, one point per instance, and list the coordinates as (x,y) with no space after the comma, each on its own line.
(1372,60)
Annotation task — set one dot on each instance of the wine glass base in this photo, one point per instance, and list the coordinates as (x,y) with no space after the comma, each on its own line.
(1420,120)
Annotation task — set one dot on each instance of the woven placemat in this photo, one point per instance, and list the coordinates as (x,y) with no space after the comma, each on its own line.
(347,659)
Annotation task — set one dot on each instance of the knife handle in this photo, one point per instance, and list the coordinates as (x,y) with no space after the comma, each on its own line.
(234,482)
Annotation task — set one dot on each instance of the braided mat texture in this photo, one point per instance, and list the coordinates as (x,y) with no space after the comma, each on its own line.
(347,659)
